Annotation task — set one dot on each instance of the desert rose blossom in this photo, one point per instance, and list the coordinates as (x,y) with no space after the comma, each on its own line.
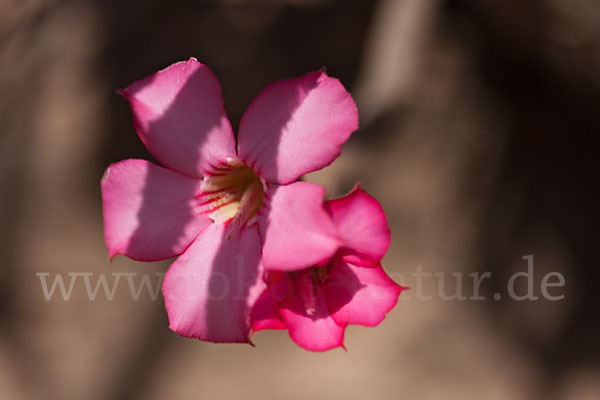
(317,303)
(225,208)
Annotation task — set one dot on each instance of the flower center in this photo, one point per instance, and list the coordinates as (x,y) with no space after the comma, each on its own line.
(233,195)
(309,284)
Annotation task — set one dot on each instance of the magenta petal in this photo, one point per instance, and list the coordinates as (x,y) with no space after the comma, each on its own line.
(361,223)
(360,295)
(296,230)
(148,213)
(296,126)
(179,115)
(265,313)
(307,317)
(210,289)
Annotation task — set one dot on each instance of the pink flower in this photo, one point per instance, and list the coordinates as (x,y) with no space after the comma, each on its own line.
(225,208)
(316,304)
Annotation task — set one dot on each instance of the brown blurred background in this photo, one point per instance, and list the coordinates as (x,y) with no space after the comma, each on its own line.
(479,135)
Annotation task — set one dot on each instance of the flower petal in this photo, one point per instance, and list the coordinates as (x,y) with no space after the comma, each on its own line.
(179,115)
(361,223)
(210,289)
(296,230)
(308,320)
(296,126)
(148,213)
(265,312)
(359,295)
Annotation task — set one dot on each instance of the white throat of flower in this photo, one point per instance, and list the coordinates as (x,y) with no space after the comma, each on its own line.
(233,195)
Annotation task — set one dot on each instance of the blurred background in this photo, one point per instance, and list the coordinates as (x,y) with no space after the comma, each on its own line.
(479,135)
